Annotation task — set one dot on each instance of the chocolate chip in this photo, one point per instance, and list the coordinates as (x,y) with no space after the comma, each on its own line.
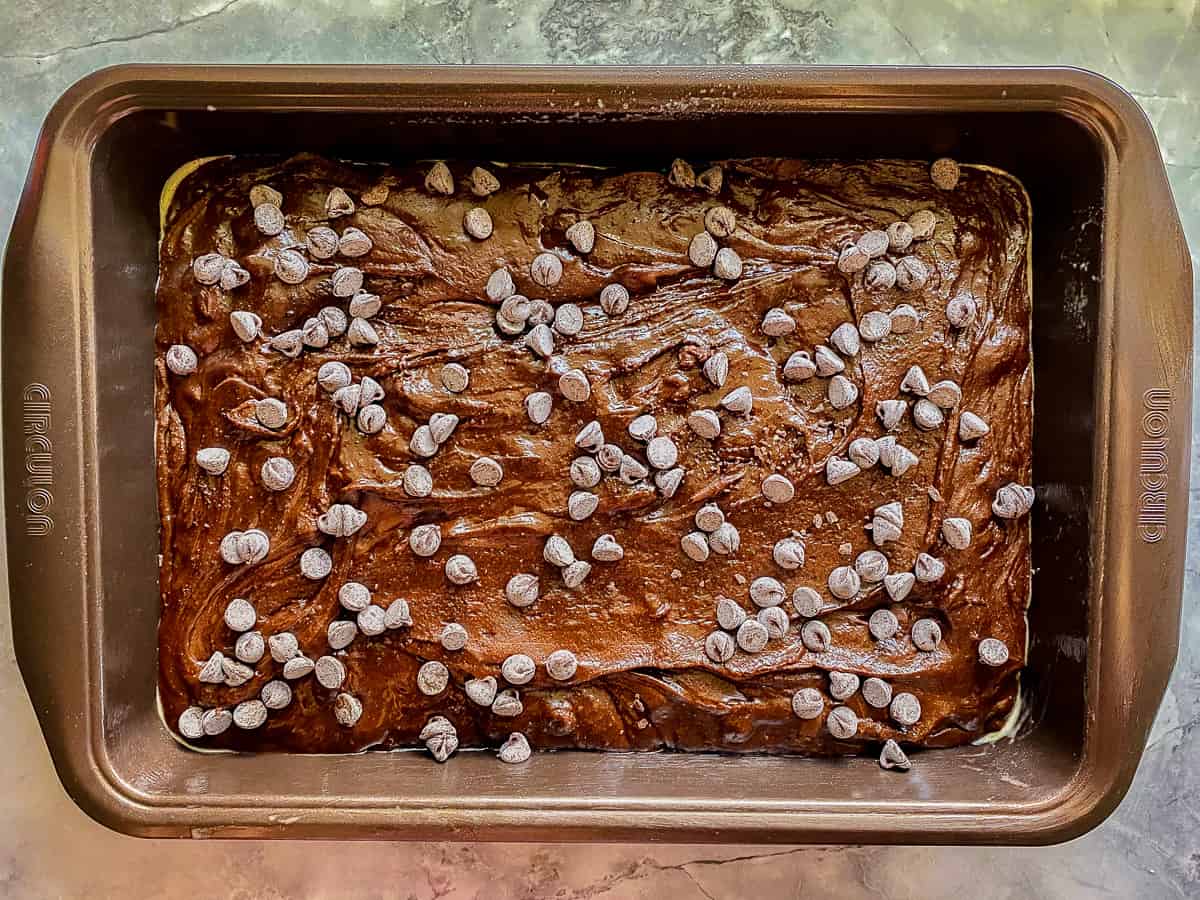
(905,709)
(944,173)
(338,203)
(788,554)
(838,470)
(807,703)
(268,218)
(695,546)
(962,310)
(807,602)
(507,704)
(574,574)
(730,615)
(290,267)
(581,505)
(455,378)
(766,591)
(883,624)
(898,585)
(726,540)
(711,179)
(887,523)
(299,666)
(777,323)
(923,223)
(727,265)
(582,236)
(500,286)
(574,386)
(775,620)
(993,652)
(207,268)
(478,223)
(606,549)
(843,685)
(347,710)
(568,319)
(283,646)
(926,634)
(460,569)
(827,362)
(482,183)
(874,243)
(276,694)
(702,250)
(432,678)
(815,636)
(240,616)
(799,367)
(863,452)
(481,691)
(249,714)
(440,737)
(424,540)
(880,276)
(844,582)
(668,482)
(900,235)
(875,326)
(871,566)
(719,647)
(957,532)
(912,274)
(928,568)
(877,692)
(515,750)
(397,615)
(842,723)
(716,369)
(262,193)
(752,636)
(546,269)
(330,672)
(213,460)
(739,400)
(453,637)
(892,757)
(720,221)
(842,392)
(217,721)
(852,259)
(561,665)
(1013,501)
(705,424)
(971,426)
(681,174)
(181,359)
(518,669)
(614,299)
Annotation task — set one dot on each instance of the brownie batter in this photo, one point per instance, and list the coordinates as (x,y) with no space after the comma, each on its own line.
(638,625)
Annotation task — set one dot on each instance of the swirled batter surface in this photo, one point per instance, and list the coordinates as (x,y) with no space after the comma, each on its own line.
(638,625)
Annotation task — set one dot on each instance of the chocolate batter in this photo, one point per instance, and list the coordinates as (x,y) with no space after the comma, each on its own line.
(638,625)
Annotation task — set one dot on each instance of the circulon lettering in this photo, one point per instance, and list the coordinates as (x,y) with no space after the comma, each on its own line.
(39,460)
(1152,466)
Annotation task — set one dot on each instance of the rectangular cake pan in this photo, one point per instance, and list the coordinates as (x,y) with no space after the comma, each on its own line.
(1112,335)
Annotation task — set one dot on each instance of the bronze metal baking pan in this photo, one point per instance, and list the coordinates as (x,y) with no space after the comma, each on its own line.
(1112,335)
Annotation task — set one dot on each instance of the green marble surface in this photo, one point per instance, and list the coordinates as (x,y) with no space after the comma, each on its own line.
(1150,848)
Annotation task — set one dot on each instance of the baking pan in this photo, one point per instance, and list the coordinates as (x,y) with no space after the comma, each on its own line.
(1112,350)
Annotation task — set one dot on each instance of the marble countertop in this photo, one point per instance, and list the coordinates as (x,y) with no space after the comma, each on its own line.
(1149,848)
